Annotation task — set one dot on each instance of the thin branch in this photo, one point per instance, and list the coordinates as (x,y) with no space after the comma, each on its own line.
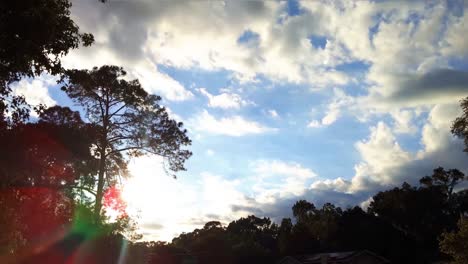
(118,110)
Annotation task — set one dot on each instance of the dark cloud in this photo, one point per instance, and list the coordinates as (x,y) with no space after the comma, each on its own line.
(214,217)
(128,23)
(282,207)
(450,156)
(439,82)
(248,209)
(152,226)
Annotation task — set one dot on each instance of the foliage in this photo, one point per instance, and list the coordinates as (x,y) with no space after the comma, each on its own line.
(460,125)
(423,213)
(54,152)
(455,243)
(130,122)
(44,166)
(34,36)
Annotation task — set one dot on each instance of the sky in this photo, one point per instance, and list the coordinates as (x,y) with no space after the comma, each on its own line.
(328,101)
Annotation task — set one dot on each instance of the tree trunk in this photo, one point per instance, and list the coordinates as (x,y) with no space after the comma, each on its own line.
(100,187)
(102,164)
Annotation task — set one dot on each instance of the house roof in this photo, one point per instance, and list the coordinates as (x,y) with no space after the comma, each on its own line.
(334,257)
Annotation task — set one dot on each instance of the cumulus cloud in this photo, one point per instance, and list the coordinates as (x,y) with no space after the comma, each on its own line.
(384,163)
(168,35)
(274,179)
(337,185)
(277,167)
(224,100)
(404,121)
(120,30)
(156,82)
(381,156)
(234,126)
(409,60)
(455,36)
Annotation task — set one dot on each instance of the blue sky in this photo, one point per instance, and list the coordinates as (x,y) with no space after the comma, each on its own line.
(325,101)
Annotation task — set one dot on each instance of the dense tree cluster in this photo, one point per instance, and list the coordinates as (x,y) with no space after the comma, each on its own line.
(403,224)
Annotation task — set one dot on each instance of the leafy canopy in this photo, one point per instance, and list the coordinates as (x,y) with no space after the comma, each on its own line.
(34,36)
(130,119)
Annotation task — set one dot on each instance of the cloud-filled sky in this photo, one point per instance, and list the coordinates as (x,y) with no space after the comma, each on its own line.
(284,100)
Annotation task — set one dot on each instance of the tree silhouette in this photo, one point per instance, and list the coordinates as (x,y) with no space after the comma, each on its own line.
(444,179)
(34,36)
(302,210)
(423,213)
(130,121)
(52,153)
(460,125)
(43,167)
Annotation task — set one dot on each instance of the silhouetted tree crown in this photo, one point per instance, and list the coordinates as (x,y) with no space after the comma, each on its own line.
(460,125)
(34,36)
(129,121)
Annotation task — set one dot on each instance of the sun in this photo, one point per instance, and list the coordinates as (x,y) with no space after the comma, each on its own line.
(155,199)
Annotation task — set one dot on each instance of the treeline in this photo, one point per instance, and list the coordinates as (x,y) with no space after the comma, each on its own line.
(407,224)
(403,224)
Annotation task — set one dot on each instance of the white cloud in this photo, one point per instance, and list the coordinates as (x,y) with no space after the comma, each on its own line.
(275,179)
(384,163)
(264,167)
(36,90)
(404,122)
(224,100)
(334,109)
(455,36)
(143,69)
(156,82)
(339,185)
(331,116)
(168,35)
(408,60)
(380,154)
(273,113)
(314,124)
(235,126)
(436,132)
(219,195)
